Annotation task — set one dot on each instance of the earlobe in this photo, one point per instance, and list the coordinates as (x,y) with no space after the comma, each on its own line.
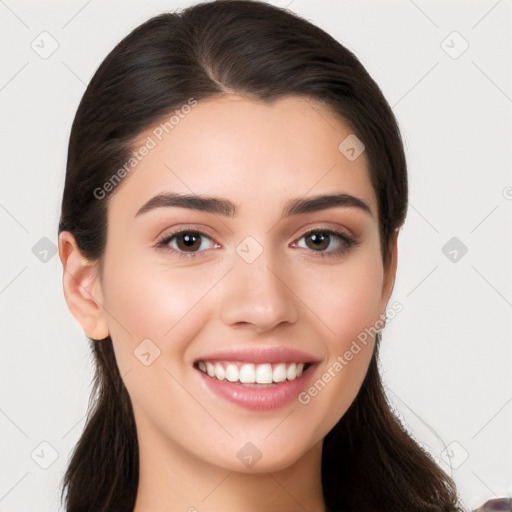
(82,288)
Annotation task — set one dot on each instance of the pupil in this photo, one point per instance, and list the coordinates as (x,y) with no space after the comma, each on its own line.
(190,241)
(318,239)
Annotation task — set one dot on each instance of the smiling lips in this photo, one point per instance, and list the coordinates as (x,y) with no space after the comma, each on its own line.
(259,379)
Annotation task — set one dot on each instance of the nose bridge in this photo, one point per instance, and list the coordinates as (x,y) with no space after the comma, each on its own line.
(256,291)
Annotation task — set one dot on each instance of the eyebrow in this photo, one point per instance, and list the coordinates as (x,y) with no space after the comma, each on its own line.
(226,208)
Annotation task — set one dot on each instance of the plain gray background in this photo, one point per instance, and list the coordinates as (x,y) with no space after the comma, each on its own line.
(445,68)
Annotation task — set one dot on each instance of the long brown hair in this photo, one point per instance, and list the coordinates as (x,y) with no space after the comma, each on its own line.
(369,462)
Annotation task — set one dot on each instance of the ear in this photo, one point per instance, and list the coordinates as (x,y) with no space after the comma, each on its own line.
(82,288)
(390,271)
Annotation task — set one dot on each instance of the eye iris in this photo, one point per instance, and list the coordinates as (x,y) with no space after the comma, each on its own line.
(192,241)
(320,238)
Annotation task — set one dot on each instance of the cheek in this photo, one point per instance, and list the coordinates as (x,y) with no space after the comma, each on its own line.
(353,307)
(346,298)
(347,301)
(157,303)
(154,314)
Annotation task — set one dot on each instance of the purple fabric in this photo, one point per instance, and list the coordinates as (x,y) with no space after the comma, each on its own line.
(497,505)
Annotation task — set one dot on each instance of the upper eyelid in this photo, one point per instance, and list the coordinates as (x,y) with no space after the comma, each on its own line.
(183,227)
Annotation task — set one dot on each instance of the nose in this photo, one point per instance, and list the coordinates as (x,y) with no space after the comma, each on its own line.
(259,294)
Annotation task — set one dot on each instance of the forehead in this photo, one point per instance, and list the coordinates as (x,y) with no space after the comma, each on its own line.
(253,152)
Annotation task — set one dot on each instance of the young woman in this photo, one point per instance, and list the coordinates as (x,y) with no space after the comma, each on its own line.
(234,190)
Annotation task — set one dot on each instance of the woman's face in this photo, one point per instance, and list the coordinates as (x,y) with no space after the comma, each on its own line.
(242,279)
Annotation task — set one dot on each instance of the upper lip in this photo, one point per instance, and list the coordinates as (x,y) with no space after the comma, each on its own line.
(259,355)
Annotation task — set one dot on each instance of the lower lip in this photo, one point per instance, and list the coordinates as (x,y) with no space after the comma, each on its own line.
(263,398)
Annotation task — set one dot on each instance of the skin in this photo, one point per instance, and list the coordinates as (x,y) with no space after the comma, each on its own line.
(259,156)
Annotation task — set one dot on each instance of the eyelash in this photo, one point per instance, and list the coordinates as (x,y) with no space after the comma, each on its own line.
(163,243)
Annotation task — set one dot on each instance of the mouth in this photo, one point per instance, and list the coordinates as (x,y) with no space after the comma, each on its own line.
(259,379)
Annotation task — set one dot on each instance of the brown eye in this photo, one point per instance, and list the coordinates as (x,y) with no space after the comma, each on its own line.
(188,241)
(319,240)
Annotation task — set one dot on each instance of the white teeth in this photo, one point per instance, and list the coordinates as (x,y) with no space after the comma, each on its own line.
(220,373)
(264,374)
(248,373)
(232,372)
(291,372)
(279,373)
(210,369)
